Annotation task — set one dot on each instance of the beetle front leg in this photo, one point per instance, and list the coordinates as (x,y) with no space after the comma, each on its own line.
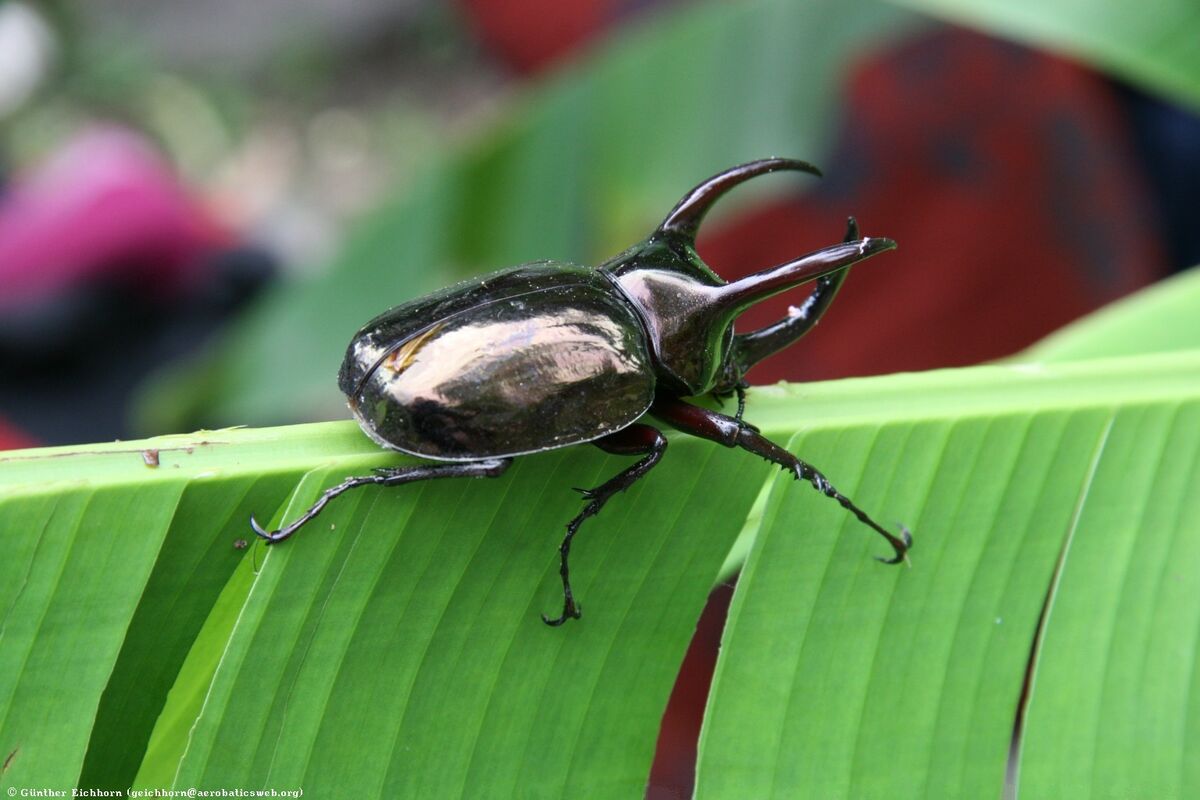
(733,433)
(388,476)
(740,391)
(635,440)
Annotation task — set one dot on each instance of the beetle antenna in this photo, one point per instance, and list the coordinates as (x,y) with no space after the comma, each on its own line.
(685,218)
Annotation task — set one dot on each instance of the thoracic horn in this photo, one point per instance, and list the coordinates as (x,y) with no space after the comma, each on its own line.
(749,290)
(685,218)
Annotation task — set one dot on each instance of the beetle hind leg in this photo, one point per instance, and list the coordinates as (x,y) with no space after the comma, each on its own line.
(634,440)
(388,476)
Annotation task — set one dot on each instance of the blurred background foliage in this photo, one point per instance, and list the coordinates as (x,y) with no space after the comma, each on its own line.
(201,202)
(302,166)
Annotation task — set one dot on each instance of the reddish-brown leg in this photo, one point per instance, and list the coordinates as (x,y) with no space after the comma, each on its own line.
(732,432)
(635,440)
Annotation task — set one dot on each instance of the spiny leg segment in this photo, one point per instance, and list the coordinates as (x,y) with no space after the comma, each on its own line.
(732,432)
(389,476)
(635,440)
(740,391)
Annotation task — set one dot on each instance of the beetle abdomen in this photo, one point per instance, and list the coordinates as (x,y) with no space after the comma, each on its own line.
(560,364)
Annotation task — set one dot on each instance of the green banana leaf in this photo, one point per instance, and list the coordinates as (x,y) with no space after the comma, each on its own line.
(1151,45)
(394,647)
(1057,526)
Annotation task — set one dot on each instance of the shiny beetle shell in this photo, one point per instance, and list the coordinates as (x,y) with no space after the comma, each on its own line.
(510,363)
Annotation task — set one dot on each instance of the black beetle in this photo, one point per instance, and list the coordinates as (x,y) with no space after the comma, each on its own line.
(548,354)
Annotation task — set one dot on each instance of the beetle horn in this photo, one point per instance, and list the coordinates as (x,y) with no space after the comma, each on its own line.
(749,290)
(689,212)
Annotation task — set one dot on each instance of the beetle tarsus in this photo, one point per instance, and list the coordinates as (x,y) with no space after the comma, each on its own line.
(740,390)
(805,471)
(387,476)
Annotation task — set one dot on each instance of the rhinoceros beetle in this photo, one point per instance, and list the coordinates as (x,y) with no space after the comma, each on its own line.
(548,354)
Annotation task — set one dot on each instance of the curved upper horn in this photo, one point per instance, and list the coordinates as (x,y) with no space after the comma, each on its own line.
(689,212)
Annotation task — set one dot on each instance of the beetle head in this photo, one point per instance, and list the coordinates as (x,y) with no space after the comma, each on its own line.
(688,310)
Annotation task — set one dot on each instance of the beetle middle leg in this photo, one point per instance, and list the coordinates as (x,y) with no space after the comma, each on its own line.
(389,476)
(636,439)
(733,433)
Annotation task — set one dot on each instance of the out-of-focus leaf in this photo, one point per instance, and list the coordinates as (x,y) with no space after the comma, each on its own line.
(1151,45)
(1160,319)
(584,166)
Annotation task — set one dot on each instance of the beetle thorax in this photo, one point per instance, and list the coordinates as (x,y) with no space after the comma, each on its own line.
(677,298)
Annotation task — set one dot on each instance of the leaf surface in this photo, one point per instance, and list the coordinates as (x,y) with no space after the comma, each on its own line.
(839,678)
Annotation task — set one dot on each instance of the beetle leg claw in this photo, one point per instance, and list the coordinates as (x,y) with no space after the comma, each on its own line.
(258,529)
(271,537)
(570,611)
(901,547)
